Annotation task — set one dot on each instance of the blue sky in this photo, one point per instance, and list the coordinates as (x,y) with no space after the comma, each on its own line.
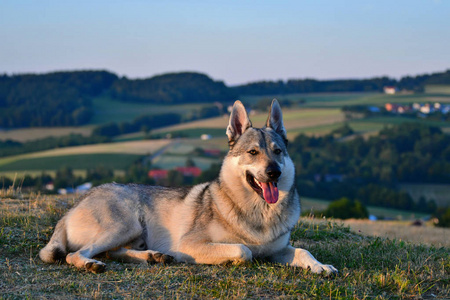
(234,41)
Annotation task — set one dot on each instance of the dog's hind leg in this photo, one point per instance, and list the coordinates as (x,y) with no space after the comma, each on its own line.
(105,241)
(139,256)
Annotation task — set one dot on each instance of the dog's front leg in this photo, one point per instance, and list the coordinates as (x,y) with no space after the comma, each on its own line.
(298,257)
(213,253)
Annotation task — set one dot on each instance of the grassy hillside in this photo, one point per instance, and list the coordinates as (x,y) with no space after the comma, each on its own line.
(133,147)
(438,89)
(319,114)
(310,205)
(438,192)
(369,267)
(81,161)
(109,110)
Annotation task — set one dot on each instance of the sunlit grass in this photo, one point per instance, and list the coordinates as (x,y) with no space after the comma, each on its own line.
(369,267)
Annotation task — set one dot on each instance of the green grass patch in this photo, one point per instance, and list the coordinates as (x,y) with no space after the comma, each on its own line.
(438,192)
(81,161)
(312,204)
(369,267)
(109,110)
(438,89)
(173,161)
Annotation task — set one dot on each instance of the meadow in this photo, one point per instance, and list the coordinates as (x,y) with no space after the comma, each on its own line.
(70,156)
(375,268)
(439,192)
(110,110)
(312,205)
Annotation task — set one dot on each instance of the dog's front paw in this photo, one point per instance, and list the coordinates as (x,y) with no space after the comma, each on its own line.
(245,254)
(325,269)
(95,266)
(163,258)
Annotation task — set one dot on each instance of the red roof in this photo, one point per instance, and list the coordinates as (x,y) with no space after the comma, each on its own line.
(190,171)
(158,174)
(212,152)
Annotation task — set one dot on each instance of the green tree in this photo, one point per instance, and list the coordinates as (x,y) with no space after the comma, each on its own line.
(345,208)
(443,216)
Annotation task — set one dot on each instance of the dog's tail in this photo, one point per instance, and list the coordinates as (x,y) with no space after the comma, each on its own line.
(56,249)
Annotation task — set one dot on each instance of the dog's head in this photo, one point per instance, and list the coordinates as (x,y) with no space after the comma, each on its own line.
(259,155)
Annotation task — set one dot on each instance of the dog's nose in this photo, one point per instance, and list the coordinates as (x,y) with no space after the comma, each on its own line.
(273,172)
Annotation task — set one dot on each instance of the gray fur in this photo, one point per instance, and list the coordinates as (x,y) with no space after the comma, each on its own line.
(226,220)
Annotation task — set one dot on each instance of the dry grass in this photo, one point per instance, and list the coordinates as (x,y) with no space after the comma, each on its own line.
(28,134)
(369,267)
(133,147)
(402,230)
(293,119)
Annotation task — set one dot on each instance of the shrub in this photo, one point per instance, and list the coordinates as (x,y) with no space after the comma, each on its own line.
(345,208)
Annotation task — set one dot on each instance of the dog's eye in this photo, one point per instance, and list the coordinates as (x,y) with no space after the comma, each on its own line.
(253,152)
(277,151)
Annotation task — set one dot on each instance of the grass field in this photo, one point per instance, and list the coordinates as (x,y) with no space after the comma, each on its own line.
(438,192)
(133,147)
(109,110)
(114,161)
(311,205)
(369,267)
(425,234)
(29,134)
(438,89)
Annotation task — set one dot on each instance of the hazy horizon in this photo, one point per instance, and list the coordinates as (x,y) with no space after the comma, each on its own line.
(233,41)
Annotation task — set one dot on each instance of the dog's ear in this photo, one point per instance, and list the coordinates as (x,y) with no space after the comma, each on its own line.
(275,119)
(239,122)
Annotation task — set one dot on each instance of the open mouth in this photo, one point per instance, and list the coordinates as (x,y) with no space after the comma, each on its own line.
(267,190)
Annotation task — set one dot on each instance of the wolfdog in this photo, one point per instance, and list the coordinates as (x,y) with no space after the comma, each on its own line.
(247,212)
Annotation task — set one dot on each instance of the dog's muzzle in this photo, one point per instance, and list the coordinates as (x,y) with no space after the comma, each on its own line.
(266,190)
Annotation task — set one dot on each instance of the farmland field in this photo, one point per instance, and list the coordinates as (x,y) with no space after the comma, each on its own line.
(113,155)
(438,89)
(28,134)
(400,229)
(311,204)
(293,119)
(438,192)
(425,234)
(109,110)
(113,161)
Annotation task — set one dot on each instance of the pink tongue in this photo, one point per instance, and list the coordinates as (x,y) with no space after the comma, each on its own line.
(270,192)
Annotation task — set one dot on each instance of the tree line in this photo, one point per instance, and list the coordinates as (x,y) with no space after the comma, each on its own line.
(65,98)
(53,99)
(292,86)
(330,167)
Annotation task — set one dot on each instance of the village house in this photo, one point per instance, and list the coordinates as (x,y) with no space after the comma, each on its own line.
(424,108)
(390,90)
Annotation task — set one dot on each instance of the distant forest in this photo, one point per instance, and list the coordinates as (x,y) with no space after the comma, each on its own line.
(292,86)
(65,98)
